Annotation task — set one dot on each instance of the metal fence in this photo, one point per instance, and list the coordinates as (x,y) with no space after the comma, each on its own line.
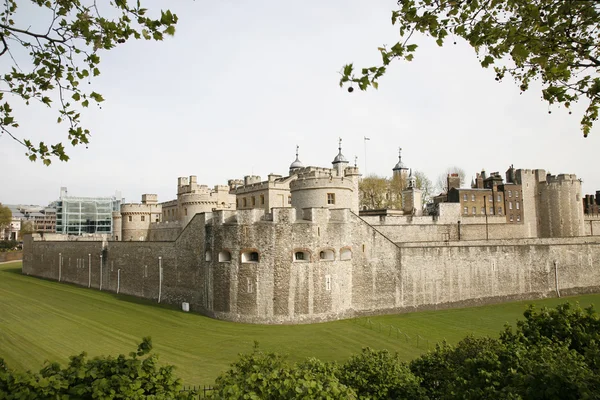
(417,340)
(203,392)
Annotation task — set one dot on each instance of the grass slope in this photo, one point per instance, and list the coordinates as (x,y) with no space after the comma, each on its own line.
(44,320)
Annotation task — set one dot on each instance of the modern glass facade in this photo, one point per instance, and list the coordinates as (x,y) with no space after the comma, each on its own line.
(85,215)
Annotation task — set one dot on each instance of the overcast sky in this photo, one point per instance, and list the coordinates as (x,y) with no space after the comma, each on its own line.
(242,83)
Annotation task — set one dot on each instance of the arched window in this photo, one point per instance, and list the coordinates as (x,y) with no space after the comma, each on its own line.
(345,254)
(301,256)
(250,257)
(326,255)
(224,256)
(207,255)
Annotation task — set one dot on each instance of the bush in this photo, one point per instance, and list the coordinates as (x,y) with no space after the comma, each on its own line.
(268,376)
(7,245)
(123,377)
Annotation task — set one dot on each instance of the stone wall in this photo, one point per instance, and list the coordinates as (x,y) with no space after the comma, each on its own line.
(319,264)
(591,225)
(11,256)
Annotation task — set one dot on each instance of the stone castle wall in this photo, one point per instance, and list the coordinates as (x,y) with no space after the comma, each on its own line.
(347,268)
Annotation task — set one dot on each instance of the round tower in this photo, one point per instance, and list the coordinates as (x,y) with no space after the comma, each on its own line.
(136,218)
(320,188)
(561,213)
(117,225)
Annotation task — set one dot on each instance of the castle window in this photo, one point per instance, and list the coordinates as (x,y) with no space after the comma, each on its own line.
(330,198)
(262,199)
(130,218)
(491,198)
(491,210)
(511,218)
(327,255)
(224,256)
(465,197)
(207,255)
(516,193)
(143,218)
(185,211)
(499,198)
(253,201)
(466,210)
(345,254)
(327,282)
(250,257)
(518,217)
(289,199)
(510,205)
(301,256)
(474,210)
(517,205)
(499,210)
(510,193)
(244,202)
(249,285)
(483,210)
(472,197)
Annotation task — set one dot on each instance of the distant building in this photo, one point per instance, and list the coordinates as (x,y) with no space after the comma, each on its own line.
(41,220)
(85,215)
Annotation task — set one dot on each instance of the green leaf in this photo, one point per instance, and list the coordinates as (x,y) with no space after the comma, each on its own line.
(97,96)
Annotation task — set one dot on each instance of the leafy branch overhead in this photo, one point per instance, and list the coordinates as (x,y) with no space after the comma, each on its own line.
(60,56)
(556,42)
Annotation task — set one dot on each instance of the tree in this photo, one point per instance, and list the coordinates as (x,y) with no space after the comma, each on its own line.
(26,228)
(424,183)
(260,375)
(373,192)
(123,377)
(554,41)
(442,181)
(62,54)
(5,217)
(378,374)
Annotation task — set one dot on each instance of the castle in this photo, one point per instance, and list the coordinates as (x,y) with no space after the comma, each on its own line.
(297,249)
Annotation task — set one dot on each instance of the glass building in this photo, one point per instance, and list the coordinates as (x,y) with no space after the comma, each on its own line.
(85,215)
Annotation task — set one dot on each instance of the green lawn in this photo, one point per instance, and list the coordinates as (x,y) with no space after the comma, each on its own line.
(43,320)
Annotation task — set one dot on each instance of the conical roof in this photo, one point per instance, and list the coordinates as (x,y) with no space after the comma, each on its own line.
(297,163)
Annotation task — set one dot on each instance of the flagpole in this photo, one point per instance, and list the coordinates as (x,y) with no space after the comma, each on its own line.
(365,140)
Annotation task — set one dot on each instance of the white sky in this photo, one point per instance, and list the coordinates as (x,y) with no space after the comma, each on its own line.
(242,83)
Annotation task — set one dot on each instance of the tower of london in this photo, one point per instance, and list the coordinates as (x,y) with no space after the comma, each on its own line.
(297,248)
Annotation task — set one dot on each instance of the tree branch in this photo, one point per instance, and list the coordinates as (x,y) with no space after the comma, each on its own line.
(35,35)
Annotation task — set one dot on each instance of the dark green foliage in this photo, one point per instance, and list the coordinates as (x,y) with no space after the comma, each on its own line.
(268,376)
(553,41)
(377,374)
(6,245)
(552,354)
(123,377)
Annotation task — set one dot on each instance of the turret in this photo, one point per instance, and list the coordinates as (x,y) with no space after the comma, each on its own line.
(339,162)
(400,171)
(297,164)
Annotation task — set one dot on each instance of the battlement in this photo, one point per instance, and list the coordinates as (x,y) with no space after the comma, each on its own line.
(277,216)
(561,178)
(274,182)
(317,179)
(149,199)
(538,175)
(132,208)
(309,170)
(251,179)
